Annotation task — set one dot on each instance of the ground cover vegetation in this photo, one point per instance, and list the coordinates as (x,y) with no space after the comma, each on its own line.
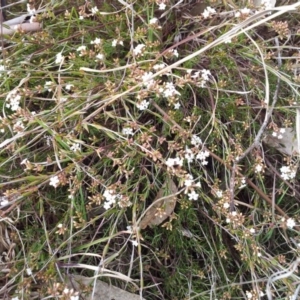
(141,144)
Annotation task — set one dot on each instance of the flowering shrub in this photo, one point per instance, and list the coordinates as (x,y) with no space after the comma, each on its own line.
(109,102)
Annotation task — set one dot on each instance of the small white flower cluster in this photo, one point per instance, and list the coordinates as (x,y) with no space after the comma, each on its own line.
(59,58)
(96,41)
(243,12)
(147,80)
(201,155)
(203,75)
(69,86)
(173,52)
(82,50)
(138,50)
(219,193)
(54,181)
(169,90)
(3,201)
(153,21)
(259,168)
(242,183)
(75,147)
(196,141)
(190,154)
(171,162)
(13,100)
(111,198)
(161,4)
(49,85)
(31,10)
(115,42)
(290,222)
(252,295)
(158,67)
(190,186)
(127,131)
(268,4)
(18,126)
(94,10)
(2,70)
(143,105)
(208,12)
(278,134)
(288,172)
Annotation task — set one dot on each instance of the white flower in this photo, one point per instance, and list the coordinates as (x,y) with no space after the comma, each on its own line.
(258,168)
(143,105)
(268,4)
(138,49)
(189,181)
(2,69)
(193,196)
(134,243)
(48,85)
(13,100)
(189,155)
(28,271)
(196,141)
(226,205)
(30,10)
(15,298)
(69,87)
(157,67)
(237,14)
(114,43)
(196,75)
(252,230)
(162,6)
(74,298)
(111,197)
(245,11)
(174,52)
(290,223)
(96,41)
(54,181)
(18,126)
(148,82)
(94,10)
(59,58)
(208,11)
(205,74)
(75,147)
(170,162)
(202,155)
(169,90)
(153,21)
(3,201)
(249,295)
(81,48)
(100,56)
(282,130)
(127,131)
(219,193)
(287,172)
(177,105)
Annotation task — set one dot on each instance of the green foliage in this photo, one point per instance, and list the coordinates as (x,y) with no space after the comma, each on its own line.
(102,107)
